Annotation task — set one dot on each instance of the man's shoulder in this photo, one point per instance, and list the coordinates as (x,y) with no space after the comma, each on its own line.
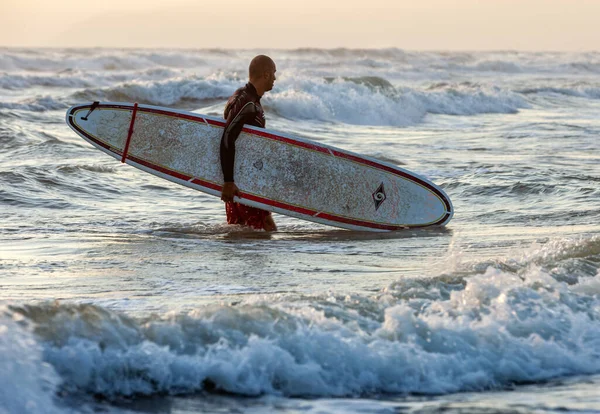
(244,91)
(240,91)
(240,96)
(237,101)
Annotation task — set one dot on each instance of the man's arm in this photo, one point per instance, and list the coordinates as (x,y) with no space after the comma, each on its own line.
(233,127)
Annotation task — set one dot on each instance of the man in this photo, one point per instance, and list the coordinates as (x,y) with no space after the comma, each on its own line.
(244,108)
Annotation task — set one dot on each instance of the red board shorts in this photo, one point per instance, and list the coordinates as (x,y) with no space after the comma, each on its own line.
(246,216)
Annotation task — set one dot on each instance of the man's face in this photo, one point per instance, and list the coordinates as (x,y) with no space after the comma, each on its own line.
(270,77)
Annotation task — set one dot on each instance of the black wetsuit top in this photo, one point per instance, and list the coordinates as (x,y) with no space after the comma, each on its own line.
(242,108)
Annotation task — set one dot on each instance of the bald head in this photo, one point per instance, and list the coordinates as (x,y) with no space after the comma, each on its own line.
(259,65)
(262,73)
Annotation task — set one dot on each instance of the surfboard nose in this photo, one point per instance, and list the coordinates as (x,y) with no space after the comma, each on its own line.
(109,122)
(82,118)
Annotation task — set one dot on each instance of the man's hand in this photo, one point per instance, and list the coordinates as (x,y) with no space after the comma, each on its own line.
(230,190)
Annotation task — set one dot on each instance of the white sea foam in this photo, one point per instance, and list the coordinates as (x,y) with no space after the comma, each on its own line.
(325,85)
(358,100)
(427,336)
(27,383)
(362,101)
(353,102)
(167,92)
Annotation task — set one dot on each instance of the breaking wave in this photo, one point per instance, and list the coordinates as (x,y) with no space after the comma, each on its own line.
(27,383)
(500,324)
(373,101)
(169,92)
(358,100)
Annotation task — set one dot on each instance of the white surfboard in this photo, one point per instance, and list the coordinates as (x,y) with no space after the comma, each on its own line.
(274,171)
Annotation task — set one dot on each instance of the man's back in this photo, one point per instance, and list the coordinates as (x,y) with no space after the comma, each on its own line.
(239,99)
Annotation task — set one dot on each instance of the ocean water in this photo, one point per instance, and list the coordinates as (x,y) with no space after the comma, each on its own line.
(124,293)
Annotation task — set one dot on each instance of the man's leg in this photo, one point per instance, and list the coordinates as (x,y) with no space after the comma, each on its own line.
(269,223)
(249,216)
(233,213)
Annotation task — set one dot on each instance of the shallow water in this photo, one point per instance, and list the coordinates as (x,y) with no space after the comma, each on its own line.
(122,292)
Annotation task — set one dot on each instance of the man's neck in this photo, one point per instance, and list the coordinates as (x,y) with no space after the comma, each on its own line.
(259,91)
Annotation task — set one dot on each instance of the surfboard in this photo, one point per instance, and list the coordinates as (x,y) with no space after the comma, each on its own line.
(274,171)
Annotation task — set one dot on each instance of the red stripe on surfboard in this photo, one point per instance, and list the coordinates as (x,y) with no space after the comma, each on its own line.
(130,133)
(207,184)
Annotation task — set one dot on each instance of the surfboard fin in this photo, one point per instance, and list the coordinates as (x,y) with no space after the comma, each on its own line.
(94,106)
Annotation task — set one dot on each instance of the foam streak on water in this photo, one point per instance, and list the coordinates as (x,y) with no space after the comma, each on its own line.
(121,292)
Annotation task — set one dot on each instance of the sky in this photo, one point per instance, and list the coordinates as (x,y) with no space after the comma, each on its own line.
(555,25)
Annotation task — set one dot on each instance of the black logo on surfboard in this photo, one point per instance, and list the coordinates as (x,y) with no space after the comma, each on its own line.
(379,196)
